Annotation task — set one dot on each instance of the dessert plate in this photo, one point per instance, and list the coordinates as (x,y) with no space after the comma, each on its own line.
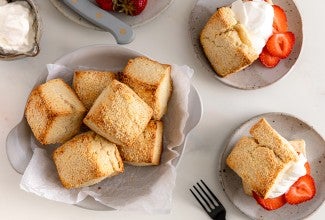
(153,9)
(18,144)
(256,75)
(290,128)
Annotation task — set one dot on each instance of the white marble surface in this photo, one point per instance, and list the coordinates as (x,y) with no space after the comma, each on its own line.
(166,39)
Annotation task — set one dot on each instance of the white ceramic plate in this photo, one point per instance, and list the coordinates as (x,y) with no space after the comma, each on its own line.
(256,75)
(18,146)
(153,9)
(290,128)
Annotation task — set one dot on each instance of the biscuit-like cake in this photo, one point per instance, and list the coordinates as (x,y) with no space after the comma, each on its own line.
(54,112)
(119,114)
(270,138)
(151,80)
(262,159)
(226,43)
(87,159)
(300,147)
(147,148)
(88,84)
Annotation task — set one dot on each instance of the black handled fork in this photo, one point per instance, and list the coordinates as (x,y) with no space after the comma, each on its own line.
(209,202)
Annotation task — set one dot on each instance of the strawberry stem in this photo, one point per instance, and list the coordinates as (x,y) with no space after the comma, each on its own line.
(126,6)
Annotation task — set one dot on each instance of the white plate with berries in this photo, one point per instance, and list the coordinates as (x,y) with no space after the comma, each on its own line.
(143,11)
(291,128)
(267,69)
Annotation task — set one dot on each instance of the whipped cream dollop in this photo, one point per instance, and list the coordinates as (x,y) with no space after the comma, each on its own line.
(289,177)
(257,17)
(17,34)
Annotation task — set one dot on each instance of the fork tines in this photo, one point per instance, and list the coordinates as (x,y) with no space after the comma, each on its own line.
(206,197)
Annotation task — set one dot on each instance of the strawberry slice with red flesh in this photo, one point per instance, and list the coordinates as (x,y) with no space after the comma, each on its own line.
(308,169)
(270,203)
(302,190)
(267,59)
(281,44)
(280,23)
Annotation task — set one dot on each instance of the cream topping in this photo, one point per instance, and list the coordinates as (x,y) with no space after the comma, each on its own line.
(288,177)
(257,17)
(17,34)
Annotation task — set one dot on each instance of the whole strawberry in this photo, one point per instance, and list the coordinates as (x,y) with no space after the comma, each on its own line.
(107,5)
(129,7)
(132,7)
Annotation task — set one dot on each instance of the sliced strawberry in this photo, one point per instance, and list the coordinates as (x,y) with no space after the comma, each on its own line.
(302,190)
(281,44)
(280,23)
(267,59)
(270,204)
(307,167)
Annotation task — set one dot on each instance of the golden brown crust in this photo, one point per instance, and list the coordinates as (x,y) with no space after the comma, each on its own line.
(54,112)
(299,146)
(119,114)
(151,80)
(147,148)
(226,44)
(88,84)
(267,136)
(86,159)
(220,21)
(260,160)
(257,165)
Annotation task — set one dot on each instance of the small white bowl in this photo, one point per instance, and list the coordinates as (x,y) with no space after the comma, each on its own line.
(38,29)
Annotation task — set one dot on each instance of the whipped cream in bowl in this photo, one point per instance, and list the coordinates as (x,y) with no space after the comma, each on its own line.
(20,29)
